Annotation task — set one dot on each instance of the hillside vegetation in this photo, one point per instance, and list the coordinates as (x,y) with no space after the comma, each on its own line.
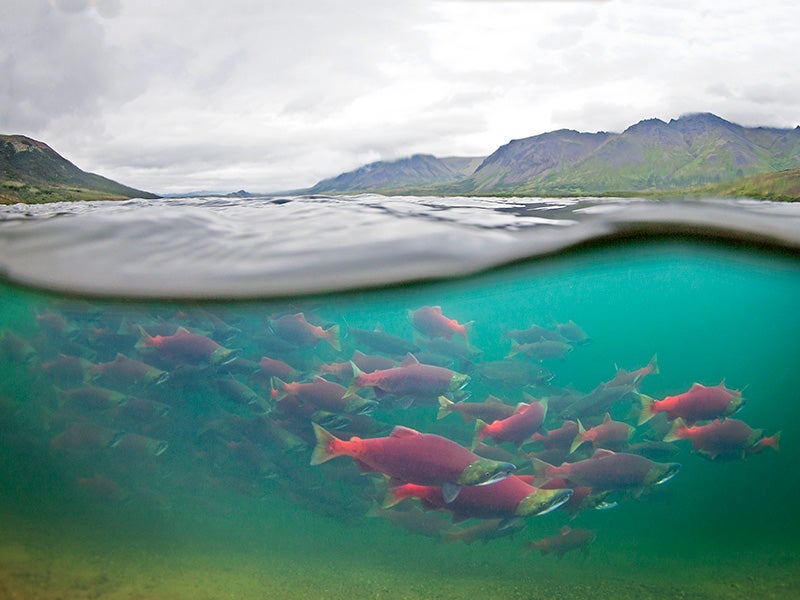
(651,156)
(32,172)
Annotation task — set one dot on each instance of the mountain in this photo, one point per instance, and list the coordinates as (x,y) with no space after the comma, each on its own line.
(32,172)
(416,172)
(652,155)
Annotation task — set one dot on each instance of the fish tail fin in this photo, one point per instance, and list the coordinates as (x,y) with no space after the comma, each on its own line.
(479,434)
(773,441)
(445,407)
(541,470)
(145,339)
(674,433)
(463,330)
(654,365)
(374,511)
(280,387)
(328,446)
(354,386)
(332,335)
(515,349)
(578,440)
(61,396)
(648,409)
(92,372)
(393,497)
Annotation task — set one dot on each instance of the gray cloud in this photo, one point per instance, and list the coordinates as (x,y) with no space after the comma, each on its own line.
(268,94)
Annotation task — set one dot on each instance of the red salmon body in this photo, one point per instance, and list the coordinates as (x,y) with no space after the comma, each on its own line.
(567,539)
(185,346)
(411,378)
(271,367)
(297,330)
(634,378)
(508,498)
(558,438)
(128,371)
(430,321)
(700,403)
(413,457)
(517,428)
(323,394)
(492,409)
(67,370)
(607,470)
(729,438)
(608,434)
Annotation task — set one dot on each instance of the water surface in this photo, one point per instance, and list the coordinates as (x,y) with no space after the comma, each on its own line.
(224,510)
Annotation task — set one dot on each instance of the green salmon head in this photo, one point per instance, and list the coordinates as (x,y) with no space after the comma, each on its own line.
(735,404)
(541,502)
(156,376)
(661,473)
(484,471)
(360,406)
(223,356)
(458,382)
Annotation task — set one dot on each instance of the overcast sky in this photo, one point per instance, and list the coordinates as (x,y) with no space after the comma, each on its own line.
(270,95)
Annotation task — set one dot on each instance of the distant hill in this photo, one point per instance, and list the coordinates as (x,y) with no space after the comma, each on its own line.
(650,156)
(32,172)
(780,185)
(419,171)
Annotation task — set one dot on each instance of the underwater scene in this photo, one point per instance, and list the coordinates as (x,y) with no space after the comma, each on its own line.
(613,421)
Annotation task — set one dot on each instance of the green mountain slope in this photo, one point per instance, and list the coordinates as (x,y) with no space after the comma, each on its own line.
(650,156)
(419,171)
(32,172)
(779,185)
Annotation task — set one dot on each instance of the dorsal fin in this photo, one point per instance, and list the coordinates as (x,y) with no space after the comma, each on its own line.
(602,452)
(409,360)
(565,530)
(400,431)
(607,418)
(183,331)
(437,309)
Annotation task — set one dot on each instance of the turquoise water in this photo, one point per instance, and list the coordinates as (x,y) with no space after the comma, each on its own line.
(235,510)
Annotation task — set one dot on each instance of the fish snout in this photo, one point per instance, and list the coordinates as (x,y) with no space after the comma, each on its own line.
(223,356)
(667,473)
(542,502)
(485,471)
(458,382)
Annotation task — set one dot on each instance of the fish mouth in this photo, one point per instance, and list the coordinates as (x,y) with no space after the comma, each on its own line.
(497,477)
(669,473)
(542,502)
(458,382)
(360,406)
(224,356)
(162,377)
